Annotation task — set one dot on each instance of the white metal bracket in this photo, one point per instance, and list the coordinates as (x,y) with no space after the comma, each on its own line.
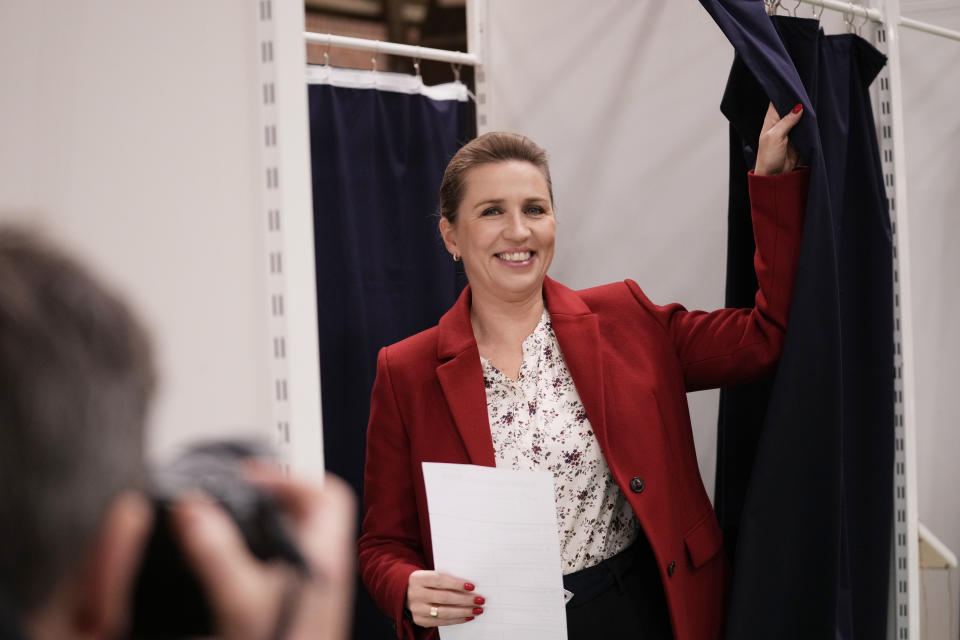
(904,619)
(287,221)
(479,45)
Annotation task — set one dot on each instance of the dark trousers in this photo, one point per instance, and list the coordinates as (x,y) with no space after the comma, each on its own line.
(622,597)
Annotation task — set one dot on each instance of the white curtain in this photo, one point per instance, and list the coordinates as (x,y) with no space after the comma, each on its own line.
(625,99)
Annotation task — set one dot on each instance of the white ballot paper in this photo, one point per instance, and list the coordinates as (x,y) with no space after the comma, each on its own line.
(498,529)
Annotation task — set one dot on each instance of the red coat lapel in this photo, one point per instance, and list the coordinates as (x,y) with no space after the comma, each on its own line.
(461,379)
(461,375)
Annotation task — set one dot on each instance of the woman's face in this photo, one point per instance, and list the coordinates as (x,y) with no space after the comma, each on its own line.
(505,230)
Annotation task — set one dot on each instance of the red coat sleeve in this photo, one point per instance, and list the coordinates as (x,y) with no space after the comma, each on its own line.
(389,549)
(733,346)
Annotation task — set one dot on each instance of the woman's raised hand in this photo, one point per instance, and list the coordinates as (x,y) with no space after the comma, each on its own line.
(436,599)
(775,153)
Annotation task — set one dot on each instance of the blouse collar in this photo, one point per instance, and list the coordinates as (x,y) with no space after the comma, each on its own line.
(456,331)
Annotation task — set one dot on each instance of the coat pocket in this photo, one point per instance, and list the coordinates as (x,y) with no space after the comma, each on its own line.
(704,540)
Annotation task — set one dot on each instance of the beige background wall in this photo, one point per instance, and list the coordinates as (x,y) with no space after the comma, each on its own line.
(625,99)
(931,85)
(128,132)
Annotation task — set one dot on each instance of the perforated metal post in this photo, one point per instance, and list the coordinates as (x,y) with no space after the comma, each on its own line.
(904,615)
(477,44)
(273,218)
(287,223)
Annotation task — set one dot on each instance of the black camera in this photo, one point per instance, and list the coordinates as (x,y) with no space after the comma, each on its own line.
(169,602)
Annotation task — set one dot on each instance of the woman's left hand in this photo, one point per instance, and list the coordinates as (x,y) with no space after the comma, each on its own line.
(775,153)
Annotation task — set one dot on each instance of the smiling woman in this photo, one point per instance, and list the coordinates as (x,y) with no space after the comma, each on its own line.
(523,373)
(504,232)
(496,213)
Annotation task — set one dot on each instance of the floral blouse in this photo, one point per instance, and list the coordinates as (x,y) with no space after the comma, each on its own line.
(538,422)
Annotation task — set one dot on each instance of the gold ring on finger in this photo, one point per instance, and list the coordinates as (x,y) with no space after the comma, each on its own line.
(434,612)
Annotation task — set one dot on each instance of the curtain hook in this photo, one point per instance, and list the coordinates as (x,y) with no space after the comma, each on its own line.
(416,66)
(376,52)
(456,70)
(796,7)
(326,52)
(848,18)
(866,19)
(816,16)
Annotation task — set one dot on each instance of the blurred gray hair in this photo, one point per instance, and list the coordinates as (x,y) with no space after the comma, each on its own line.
(76,378)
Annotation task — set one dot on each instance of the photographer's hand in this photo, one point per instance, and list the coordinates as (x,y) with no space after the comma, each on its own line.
(253,600)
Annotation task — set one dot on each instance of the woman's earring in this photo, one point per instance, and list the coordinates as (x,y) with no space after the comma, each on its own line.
(456,257)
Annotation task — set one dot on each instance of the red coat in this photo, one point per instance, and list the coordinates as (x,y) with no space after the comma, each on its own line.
(632,362)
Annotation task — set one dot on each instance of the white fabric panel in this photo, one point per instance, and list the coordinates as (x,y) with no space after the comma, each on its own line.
(384,81)
(931,86)
(130,133)
(625,99)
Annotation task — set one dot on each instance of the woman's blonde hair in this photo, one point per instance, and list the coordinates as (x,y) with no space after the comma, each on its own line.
(496,146)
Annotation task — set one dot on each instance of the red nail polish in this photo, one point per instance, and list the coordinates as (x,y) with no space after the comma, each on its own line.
(798,108)
(470,618)
(468,586)
(477,610)
(478,600)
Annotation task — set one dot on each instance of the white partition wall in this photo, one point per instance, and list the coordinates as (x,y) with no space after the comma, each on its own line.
(931,90)
(286,217)
(625,98)
(132,133)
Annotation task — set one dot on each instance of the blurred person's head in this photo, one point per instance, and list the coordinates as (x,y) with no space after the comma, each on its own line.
(76,378)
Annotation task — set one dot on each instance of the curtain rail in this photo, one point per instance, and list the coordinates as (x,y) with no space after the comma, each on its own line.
(457,57)
(876,16)
(393,49)
(929,28)
(857,10)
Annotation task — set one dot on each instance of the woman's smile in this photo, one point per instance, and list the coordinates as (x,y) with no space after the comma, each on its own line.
(516,258)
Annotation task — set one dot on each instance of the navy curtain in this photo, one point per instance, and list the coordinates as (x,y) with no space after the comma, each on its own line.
(805,460)
(382,271)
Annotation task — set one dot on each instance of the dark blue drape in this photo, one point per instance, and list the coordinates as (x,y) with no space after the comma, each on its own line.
(805,460)
(382,271)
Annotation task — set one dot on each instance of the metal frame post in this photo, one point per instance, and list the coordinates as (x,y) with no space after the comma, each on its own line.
(478,44)
(287,210)
(904,623)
